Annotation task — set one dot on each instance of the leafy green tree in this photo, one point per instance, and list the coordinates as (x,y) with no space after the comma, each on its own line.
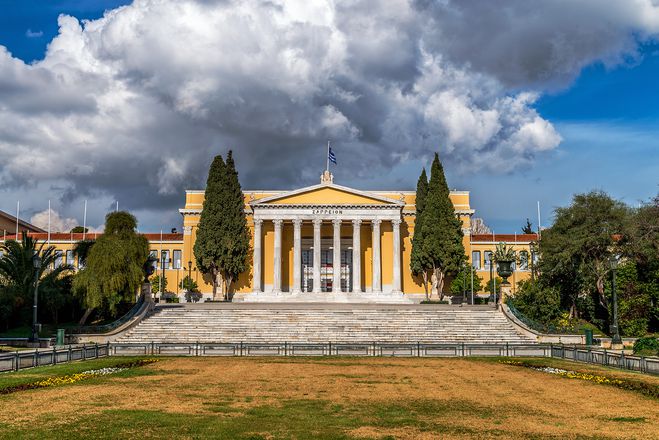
(420,263)
(636,300)
(81,250)
(17,274)
(222,245)
(114,268)
(489,287)
(441,229)
(540,303)
(79,230)
(188,284)
(577,248)
(528,227)
(642,248)
(462,282)
(155,284)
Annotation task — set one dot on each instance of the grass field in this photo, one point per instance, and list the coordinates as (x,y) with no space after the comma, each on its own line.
(327,398)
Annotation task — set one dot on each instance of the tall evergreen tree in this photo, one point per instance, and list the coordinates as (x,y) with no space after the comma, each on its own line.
(441,229)
(222,244)
(419,261)
(235,235)
(208,244)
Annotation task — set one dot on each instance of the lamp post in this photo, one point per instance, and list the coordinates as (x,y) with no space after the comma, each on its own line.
(614,330)
(36,262)
(189,273)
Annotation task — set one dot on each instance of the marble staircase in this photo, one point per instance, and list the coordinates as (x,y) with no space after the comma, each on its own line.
(264,323)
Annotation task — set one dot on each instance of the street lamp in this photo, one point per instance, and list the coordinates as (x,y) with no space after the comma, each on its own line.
(189,273)
(615,332)
(36,262)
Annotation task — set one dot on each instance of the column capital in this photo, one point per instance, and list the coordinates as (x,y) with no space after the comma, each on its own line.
(337,222)
(317,222)
(376,222)
(278,221)
(357,222)
(187,230)
(297,221)
(258,221)
(396,222)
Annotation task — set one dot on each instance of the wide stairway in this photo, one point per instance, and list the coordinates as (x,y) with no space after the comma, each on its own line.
(270,323)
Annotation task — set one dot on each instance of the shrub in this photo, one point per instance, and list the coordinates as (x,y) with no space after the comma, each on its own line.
(192,296)
(647,346)
(155,284)
(542,304)
(169,297)
(188,284)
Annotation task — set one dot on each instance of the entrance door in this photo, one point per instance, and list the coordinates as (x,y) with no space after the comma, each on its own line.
(307,270)
(327,268)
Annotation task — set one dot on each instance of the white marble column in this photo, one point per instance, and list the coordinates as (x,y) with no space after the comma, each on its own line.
(356,256)
(297,255)
(276,276)
(336,265)
(396,282)
(376,284)
(256,283)
(317,223)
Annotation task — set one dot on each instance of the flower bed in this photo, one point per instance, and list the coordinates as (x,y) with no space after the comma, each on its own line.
(644,388)
(76,377)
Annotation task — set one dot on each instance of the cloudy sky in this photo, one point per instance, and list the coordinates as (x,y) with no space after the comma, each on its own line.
(110,100)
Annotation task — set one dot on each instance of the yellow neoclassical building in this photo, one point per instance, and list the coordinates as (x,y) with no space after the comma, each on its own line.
(321,242)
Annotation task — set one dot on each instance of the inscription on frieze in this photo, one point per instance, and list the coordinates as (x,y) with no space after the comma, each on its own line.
(327,211)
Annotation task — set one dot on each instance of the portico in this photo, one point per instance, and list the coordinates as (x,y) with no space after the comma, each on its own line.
(335,260)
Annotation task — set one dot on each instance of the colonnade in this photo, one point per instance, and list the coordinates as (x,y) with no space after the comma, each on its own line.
(376,282)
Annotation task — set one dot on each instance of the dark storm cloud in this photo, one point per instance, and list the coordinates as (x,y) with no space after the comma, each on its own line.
(133,106)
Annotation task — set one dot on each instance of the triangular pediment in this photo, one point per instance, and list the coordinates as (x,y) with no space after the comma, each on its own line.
(327,194)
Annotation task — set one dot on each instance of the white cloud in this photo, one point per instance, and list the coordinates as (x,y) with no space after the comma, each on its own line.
(57,222)
(133,106)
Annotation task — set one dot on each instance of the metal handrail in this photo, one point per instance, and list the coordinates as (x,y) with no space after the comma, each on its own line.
(533,324)
(105,328)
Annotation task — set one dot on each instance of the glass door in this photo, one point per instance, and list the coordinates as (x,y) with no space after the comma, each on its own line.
(307,270)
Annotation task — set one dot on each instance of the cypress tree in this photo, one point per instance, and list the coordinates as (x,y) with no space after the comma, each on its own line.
(235,235)
(419,262)
(441,229)
(208,244)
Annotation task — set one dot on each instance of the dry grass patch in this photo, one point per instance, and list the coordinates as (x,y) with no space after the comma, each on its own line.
(334,398)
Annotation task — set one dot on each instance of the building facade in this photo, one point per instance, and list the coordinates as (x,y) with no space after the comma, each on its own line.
(320,241)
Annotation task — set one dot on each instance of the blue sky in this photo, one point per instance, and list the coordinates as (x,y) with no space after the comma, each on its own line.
(607,118)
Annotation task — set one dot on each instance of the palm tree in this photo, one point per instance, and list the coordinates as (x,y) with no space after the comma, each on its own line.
(17,273)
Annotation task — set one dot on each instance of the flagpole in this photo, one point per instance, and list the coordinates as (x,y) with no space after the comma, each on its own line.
(539,227)
(18,210)
(327,156)
(84,222)
(49,222)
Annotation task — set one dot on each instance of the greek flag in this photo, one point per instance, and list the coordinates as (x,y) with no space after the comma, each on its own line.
(331,156)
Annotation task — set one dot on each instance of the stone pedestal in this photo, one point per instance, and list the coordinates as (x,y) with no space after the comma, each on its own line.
(506,290)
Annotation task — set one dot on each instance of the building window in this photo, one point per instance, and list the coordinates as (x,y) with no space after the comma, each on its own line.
(153,256)
(488,260)
(523,260)
(69,257)
(534,258)
(164,258)
(177,259)
(476,260)
(58,259)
